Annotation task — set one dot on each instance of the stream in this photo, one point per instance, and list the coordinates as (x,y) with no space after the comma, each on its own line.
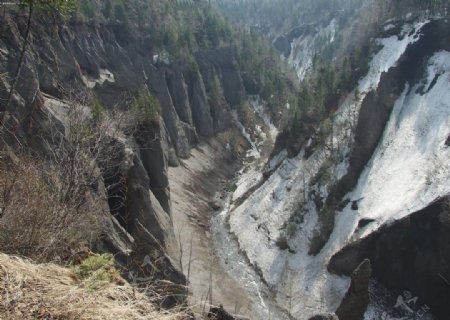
(234,261)
(236,264)
(226,246)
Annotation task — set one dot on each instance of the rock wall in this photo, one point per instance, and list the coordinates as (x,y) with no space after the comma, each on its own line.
(70,57)
(377,105)
(356,299)
(410,254)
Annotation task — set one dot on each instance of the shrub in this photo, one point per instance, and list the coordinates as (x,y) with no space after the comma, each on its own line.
(50,205)
(35,221)
(120,13)
(97,271)
(107,9)
(282,242)
(98,109)
(146,106)
(93,264)
(326,217)
(248,118)
(236,143)
(295,219)
(323,233)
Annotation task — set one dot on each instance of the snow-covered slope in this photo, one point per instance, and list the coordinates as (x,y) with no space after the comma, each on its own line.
(411,166)
(305,47)
(409,169)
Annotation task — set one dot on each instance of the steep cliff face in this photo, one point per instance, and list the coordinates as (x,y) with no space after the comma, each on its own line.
(393,127)
(112,63)
(365,189)
(61,60)
(95,56)
(306,32)
(377,105)
(409,254)
(355,301)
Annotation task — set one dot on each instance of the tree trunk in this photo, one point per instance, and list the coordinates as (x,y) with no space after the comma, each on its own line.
(21,59)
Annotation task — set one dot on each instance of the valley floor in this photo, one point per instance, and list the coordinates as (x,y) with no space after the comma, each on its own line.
(193,187)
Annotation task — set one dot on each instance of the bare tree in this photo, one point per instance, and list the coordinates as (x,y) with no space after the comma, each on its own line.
(21,58)
(60,6)
(48,202)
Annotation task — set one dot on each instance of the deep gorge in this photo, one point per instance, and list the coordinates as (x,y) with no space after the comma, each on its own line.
(222,172)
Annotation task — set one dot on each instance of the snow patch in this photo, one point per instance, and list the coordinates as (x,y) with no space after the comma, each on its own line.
(389,27)
(104,75)
(394,184)
(304,48)
(259,107)
(393,48)
(411,166)
(253,152)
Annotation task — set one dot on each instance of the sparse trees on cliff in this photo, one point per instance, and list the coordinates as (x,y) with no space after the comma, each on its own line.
(146,106)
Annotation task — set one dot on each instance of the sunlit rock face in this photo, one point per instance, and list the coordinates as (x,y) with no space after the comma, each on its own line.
(394,164)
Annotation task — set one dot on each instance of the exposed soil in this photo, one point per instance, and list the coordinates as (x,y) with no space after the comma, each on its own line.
(193,186)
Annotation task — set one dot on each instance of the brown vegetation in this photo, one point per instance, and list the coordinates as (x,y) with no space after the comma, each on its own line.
(35,222)
(48,291)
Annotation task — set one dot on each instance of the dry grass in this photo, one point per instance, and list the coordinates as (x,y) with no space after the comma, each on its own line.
(48,291)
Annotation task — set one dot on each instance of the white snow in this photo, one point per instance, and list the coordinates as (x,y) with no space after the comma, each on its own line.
(411,166)
(389,27)
(104,75)
(259,107)
(393,48)
(253,152)
(246,181)
(304,48)
(409,169)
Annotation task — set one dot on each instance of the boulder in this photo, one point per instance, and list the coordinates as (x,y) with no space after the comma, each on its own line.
(219,313)
(411,254)
(356,300)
